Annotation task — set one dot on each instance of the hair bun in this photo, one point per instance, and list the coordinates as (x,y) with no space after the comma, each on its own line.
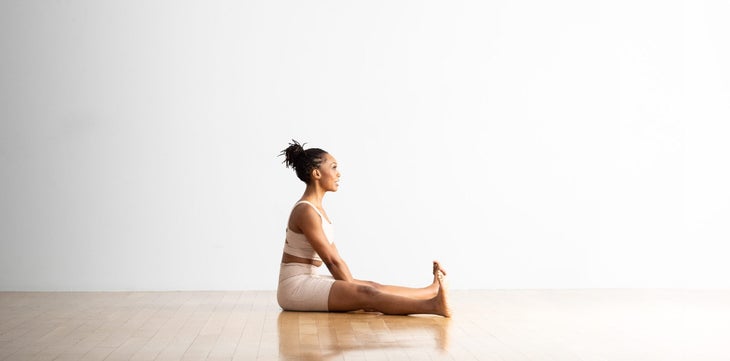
(302,160)
(293,153)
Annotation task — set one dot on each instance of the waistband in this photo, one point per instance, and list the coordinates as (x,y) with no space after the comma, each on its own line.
(287,270)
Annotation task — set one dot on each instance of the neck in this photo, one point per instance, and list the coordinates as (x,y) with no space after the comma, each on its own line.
(314,195)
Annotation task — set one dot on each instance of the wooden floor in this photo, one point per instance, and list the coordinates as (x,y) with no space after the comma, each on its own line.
(488,325)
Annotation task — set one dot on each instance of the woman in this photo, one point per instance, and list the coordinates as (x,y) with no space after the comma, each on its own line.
(310,243)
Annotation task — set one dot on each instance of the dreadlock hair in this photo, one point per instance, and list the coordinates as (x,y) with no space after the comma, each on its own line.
(301,160)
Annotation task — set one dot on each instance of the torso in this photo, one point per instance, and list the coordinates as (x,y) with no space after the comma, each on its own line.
(292,224)
(287,258)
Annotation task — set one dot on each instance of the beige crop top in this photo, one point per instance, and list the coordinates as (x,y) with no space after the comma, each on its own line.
(296,244)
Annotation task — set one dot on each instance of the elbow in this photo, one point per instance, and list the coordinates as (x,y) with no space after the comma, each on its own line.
(338,269)
(331,262)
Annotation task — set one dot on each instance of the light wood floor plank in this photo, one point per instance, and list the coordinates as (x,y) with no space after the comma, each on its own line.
(504,325)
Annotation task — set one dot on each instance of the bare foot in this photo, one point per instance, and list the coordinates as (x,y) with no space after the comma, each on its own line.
(442,300)
(436,269)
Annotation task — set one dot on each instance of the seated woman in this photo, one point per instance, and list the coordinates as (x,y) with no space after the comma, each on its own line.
(310,243)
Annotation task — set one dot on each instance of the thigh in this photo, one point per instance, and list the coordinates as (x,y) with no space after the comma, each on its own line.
(349,296)
(304,293)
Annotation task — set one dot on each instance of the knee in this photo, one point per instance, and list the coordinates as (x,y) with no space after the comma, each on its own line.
(375,285)
(367,290)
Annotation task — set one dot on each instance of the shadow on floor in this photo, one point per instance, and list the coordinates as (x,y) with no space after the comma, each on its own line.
(322,335)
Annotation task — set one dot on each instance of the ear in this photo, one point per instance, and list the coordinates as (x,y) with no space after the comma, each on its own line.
(316,173)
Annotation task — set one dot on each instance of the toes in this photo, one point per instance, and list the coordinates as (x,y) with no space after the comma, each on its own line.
(437,267)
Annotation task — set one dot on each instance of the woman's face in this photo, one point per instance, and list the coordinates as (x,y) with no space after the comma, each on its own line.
(329,175)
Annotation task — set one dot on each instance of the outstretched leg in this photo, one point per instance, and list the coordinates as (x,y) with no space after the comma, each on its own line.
(351,296)
(422,293)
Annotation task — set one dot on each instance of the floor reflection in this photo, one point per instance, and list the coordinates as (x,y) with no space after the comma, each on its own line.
(321,336)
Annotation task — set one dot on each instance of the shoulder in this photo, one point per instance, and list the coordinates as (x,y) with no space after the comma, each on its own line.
(304,219)
(304,213)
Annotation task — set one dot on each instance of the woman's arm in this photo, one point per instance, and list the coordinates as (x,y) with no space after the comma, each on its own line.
(338,266)
(310,224)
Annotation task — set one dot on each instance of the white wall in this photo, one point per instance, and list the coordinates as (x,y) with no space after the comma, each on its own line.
(526,144)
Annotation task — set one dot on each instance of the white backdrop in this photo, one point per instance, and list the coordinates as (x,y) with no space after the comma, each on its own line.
(525,144)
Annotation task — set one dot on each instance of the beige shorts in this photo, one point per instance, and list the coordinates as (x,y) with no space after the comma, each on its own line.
(302,289)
